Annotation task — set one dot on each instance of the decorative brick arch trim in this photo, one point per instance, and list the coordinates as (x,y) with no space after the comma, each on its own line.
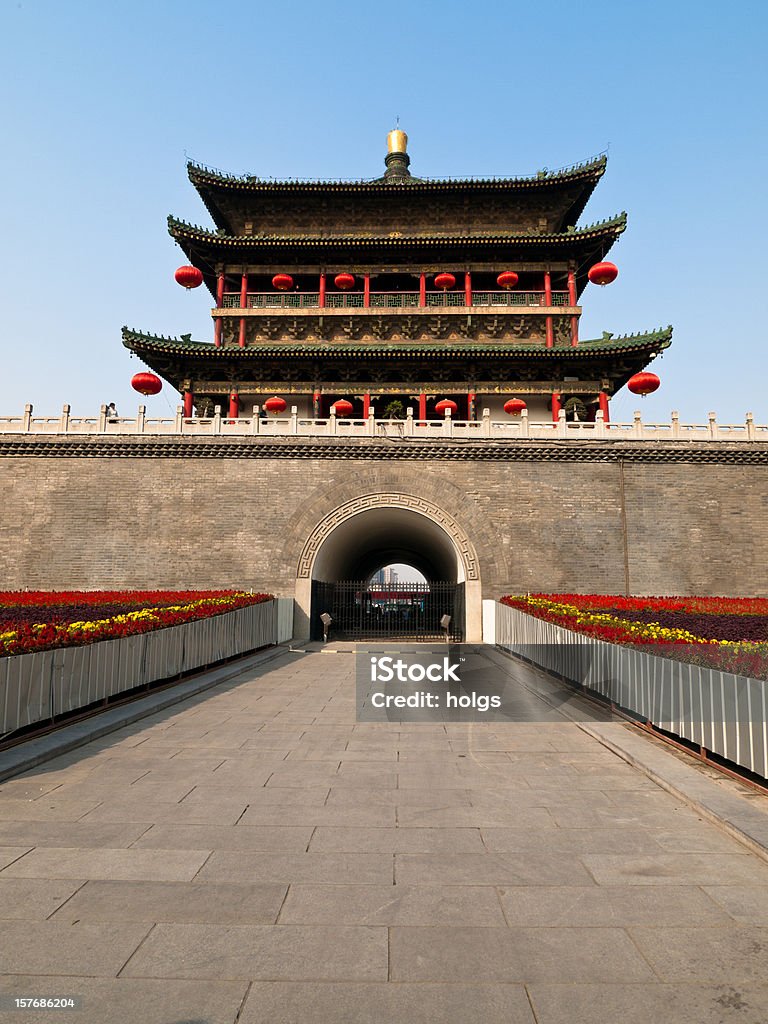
(364,503)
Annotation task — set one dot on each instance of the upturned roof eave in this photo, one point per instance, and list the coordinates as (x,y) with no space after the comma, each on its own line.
(651,341)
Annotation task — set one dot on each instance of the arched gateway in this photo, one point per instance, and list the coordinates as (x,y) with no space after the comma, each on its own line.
(358,537)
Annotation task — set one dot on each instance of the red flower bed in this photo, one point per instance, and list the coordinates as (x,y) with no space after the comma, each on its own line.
(727,633)
(43,620)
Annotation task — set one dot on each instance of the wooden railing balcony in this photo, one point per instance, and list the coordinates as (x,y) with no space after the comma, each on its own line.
(394,300)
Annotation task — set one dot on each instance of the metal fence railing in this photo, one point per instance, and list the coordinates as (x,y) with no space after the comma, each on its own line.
(722,713)
(42,686)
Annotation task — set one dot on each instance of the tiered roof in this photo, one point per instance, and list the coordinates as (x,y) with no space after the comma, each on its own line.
(230,199)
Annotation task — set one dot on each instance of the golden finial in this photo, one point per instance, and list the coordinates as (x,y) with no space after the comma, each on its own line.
(397,140)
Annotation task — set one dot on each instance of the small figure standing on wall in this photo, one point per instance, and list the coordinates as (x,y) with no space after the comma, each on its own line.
(326,620)
(111,411)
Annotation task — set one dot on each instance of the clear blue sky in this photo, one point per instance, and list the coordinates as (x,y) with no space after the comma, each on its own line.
(103,101)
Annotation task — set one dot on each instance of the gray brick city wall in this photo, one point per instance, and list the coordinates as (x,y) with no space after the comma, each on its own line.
(664,519)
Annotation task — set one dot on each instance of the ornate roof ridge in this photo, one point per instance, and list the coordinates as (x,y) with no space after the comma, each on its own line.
(198,172)
(618,221)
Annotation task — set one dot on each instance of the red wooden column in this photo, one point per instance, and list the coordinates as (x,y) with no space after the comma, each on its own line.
(188,405)
(321,300)
(471,405)
(217,326)
(556,407)
(243,305)
(571,288)
(422,292)
(317,407)
(468,289)
(367,291)
(422,402)
(603,404)
(572,301)
(549,322)
(366,404)
(234,405)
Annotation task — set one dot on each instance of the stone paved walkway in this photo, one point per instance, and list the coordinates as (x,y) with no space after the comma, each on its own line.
(255,855)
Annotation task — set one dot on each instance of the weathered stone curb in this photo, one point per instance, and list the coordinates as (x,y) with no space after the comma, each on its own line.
(732,812)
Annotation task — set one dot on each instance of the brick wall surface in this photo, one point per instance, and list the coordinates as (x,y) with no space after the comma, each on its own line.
(180,518)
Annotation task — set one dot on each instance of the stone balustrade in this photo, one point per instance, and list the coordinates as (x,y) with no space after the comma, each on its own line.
(259,423)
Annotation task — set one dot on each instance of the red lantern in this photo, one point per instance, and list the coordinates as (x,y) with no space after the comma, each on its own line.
(146,383)
(514,406)
(643,383)
(344,282)
(342,408)
(275,404)
(189,277)
(442,407)
(445,281)
(603,273)
(508,279)
(283,282)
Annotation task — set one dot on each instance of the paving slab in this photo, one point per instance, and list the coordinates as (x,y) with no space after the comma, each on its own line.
(147,865)
(263,838)
(616,906)
(125,1000)
(292,868)
(81,950)
(292,952)
(329,839)
(640,1004)
(34,899)
(297,1003)
(394,905)
(516,955)
(174,902)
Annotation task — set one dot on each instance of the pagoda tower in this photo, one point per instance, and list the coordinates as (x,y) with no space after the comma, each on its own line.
(398,292)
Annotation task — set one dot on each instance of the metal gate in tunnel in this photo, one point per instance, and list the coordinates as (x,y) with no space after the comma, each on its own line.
(397,611)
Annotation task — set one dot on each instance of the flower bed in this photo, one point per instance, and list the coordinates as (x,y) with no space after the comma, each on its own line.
(719,632)
(43,620)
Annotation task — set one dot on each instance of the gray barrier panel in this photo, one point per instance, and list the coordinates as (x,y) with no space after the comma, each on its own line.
(721,711)
(72,685)
(35,687)
(27,697)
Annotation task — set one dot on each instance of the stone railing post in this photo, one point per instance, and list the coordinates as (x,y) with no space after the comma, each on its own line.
(141,419)
(638,423)
(675,424)
(525,424)
(255,420)
(485,427)
(409,421)
(562,429)
(599,423)
(216,424)
(750,426)
(448,424)
(178,424)
(712,426)
(64,420)
(294,419)
(26,422)
(332,422)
